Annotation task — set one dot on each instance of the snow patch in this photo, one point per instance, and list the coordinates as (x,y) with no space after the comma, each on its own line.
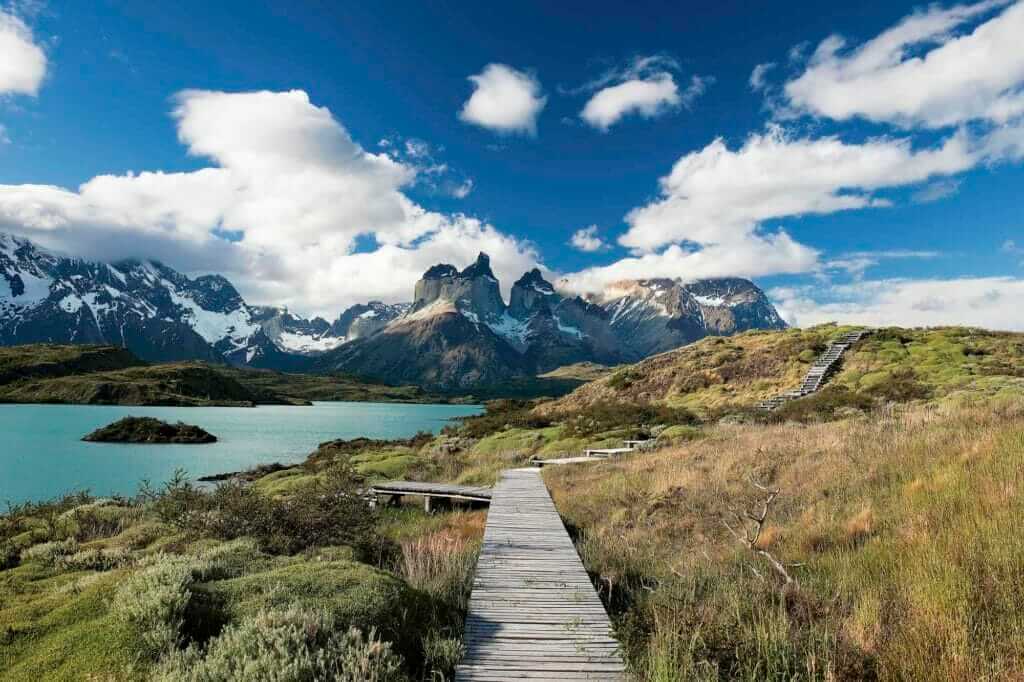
(509,328)
(236,326)
(571,331)
(118,274)
(711,301)
(70,304)
(37,290)
(307,343)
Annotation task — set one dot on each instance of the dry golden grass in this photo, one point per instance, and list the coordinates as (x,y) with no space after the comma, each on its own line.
(442,561)
(905,525)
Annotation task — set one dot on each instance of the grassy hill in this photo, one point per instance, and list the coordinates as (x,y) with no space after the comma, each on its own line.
(43,360)
(719,374)
(110,375)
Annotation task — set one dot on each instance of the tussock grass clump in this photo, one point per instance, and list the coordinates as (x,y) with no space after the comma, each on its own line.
(293,644)
(900,528)
(441,564)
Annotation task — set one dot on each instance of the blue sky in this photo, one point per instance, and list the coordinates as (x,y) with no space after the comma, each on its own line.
(921,223)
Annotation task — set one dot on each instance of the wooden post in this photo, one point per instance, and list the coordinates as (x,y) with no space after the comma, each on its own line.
(426,503)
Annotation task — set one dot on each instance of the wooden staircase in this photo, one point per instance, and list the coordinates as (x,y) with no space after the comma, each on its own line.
(820,372)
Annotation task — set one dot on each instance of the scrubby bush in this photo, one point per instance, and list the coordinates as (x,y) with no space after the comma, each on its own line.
(9,556)
(636,418)
(154,601)
(899,386)
(49,553)
(502,414)
(331,512)
(291,645)
(441,654)
(623,379)
(827,404)
(95,559)
(176,502)
(96,520)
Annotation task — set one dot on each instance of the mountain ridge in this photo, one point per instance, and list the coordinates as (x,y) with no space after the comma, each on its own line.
(476,339)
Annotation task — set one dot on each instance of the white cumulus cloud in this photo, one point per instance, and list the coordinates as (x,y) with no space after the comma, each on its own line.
(756,254)
(937,67)
(504,100)
(719,195)
(646,86)
(586,240)
(279,210)
(22,61)
(758,77)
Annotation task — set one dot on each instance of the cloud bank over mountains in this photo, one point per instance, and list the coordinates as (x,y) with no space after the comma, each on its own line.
(280,209)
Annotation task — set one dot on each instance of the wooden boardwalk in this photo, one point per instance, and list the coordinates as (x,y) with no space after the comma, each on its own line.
(533,613)
(393,490)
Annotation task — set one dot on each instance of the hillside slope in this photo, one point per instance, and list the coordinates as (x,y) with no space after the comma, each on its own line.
(899,530)
(108,375)
(719,373)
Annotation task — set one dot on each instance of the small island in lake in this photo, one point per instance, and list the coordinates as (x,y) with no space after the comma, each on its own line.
(149,430)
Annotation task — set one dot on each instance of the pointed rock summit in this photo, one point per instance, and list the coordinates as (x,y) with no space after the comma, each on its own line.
(473,292)
(530,294)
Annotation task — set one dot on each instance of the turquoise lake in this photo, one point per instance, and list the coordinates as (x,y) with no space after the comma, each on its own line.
(42,456)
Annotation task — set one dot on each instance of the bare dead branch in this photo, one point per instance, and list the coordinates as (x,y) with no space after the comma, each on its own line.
(752,525)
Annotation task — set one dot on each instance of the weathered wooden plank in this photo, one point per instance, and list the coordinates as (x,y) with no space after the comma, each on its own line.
(533,612)
(478,493)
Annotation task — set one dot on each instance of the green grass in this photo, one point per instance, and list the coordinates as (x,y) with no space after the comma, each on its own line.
(286,482)
(353,594)
(53,630)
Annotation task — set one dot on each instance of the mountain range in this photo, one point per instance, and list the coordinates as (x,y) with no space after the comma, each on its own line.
(457,333)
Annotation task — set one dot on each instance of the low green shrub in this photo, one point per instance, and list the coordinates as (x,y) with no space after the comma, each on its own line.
(500,415)
(636,418)
(352,594)
(9,556)
(330,512)
(441,654)
(827,404)
(292,645)
(154,601)
(95,559)
(49,553)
